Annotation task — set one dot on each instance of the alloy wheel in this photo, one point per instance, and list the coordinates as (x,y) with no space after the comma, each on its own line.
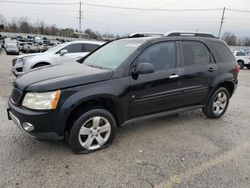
(220,103)
(94,133)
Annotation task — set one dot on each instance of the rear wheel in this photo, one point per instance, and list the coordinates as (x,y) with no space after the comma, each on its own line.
(241,64)
(248,66)
(217,104)
(93,130)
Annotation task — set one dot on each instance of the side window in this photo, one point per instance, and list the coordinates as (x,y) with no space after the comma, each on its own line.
(221,52)
(162,56)
(240,54)
(73,48)
(195,53)
(90,47)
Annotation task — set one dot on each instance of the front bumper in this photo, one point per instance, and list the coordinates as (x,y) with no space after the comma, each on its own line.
(17,72)
(46,124)
(12,52)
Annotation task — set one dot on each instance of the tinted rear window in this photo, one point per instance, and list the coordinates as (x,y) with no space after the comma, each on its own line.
(240,54)
(89,47)
(195,53)
(221,52)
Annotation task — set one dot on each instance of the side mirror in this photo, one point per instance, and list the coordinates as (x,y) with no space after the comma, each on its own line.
(63,52)
(144,68)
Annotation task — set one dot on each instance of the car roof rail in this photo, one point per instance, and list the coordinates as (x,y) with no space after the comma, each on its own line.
(191,34)
(146,34)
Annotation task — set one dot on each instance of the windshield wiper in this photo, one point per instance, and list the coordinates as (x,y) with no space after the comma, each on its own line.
(95,66)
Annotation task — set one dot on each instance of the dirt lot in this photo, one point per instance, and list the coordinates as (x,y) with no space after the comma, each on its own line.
(186,150)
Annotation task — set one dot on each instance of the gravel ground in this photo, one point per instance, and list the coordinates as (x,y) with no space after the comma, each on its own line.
(185,150)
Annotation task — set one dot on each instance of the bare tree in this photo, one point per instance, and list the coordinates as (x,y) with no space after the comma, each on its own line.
(230,38)
(13,25)
(24,26)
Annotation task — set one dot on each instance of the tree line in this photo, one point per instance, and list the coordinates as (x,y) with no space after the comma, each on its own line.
(232,40)
(23,25)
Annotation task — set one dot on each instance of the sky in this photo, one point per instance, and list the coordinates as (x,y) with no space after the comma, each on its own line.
(119,21)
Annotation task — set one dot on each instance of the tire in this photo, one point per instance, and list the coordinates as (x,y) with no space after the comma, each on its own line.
(217,104)
(241,64)
(93,130)
(248,67)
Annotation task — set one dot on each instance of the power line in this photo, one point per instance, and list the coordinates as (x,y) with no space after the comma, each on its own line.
(238,10)
(107,6)
(35,3)
(119,7)
(148,9)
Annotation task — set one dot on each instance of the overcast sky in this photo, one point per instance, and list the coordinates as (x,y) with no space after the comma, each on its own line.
(128,21)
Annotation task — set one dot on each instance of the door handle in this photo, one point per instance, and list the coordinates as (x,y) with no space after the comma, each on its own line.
(174,76)
(211,69)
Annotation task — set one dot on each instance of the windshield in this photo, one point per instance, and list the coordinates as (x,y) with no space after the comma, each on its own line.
(11,46)
(111,55)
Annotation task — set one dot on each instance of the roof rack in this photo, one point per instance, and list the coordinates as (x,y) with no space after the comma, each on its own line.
(146,34)
(191,34)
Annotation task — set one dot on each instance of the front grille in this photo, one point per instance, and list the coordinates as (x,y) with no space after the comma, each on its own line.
(20,69)
(16,95)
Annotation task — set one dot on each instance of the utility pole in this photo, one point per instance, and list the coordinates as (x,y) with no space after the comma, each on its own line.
(38,29)
(222,21)
(80,20)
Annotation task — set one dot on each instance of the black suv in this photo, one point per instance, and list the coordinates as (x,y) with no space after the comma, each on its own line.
(122,81)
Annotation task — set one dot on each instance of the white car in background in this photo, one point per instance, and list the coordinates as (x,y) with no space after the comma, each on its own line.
(242,59)
(68,52)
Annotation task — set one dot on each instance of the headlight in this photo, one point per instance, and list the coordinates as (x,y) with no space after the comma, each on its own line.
(19,62)
(42,101)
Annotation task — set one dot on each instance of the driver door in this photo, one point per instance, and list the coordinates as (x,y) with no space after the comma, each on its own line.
(158,91)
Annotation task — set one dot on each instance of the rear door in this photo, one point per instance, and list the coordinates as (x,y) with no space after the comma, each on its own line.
(197,73)
(158,91)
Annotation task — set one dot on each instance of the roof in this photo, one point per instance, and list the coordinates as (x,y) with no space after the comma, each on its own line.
(87,41)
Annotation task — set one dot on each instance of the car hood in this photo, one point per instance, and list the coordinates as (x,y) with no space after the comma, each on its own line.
(31,55)
(60,76)
(12,49)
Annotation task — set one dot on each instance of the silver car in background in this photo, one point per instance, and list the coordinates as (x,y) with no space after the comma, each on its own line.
(11,49)
(68,52)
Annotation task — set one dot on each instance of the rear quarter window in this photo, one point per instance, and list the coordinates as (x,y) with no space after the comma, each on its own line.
(90,47)
(221,52)
(240,54)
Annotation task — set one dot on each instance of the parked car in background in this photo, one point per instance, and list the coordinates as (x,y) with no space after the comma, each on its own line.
(30,47)
(11,49)
(20,45)
(126,80)
(242,58)
(66,52)
(42,47)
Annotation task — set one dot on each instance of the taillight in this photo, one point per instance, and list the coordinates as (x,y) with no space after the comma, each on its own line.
(237,68)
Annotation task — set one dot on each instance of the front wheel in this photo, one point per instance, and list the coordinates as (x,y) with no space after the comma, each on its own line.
(93,130)
(241,64)
(217,104)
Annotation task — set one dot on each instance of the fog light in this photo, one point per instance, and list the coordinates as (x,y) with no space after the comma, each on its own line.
(28,127)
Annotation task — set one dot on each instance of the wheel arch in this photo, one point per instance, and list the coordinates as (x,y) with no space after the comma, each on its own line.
(40,62)
(240,60)
(227,83)
(107,102)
